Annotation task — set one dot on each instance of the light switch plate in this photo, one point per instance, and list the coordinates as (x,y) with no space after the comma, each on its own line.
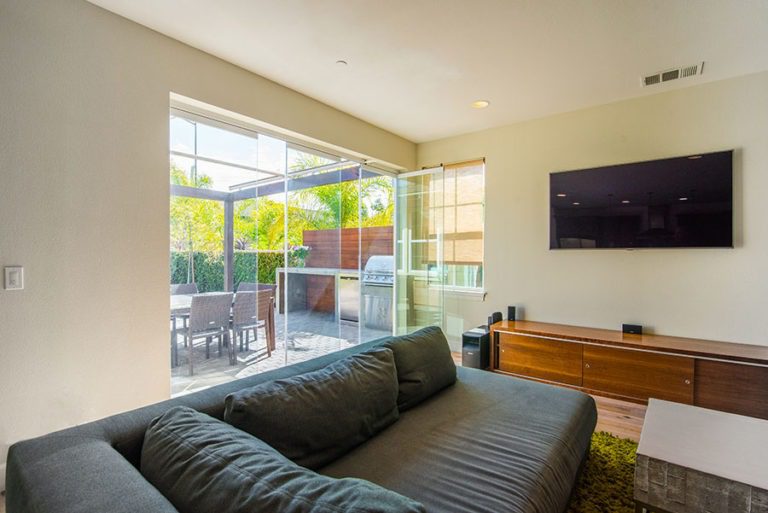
(14,278)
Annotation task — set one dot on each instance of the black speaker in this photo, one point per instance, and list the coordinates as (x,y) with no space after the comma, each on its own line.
(475,348)
(632,329)
(510,313)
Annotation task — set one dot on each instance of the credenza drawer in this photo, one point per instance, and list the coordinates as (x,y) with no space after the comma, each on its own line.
(541,358)
(638,374)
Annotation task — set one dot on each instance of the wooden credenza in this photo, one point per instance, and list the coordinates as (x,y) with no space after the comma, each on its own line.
(716,375)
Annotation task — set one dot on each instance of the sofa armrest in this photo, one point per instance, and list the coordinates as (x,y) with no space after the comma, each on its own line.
(67,474)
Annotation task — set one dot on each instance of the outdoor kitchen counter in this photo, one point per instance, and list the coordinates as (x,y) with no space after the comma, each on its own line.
(305,292)
(321,271)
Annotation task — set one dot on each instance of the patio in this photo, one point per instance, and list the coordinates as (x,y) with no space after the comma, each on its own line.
(310,334)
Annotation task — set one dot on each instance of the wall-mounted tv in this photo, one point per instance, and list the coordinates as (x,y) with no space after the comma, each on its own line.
(681,202)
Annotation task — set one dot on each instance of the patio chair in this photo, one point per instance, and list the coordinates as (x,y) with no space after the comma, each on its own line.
(183,289)
(267,314)
(248,286)
(249,314)
(209,318)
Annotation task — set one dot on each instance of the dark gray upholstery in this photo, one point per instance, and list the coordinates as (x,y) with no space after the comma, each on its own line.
(424,365)
(204,465)
(46,474)
(317,417)
(489,443)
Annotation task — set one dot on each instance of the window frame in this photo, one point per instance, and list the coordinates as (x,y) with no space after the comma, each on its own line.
(458,290)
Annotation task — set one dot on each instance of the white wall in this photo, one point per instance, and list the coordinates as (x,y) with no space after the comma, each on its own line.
(84,191)
(719,294)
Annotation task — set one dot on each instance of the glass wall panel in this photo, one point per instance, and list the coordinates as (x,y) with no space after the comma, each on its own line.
(182,135)
(377,260)
(197,243)
(260,257)
(288,230)
(464,224)
(419,256)
(316,283)
(226,145)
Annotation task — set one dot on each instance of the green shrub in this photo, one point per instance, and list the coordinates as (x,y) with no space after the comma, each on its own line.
(209,268)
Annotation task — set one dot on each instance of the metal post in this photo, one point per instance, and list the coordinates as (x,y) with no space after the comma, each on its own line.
(229,244)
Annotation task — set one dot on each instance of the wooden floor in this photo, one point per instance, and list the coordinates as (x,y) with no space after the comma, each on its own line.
(620,418)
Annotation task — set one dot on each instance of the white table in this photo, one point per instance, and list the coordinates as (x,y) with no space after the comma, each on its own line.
(693,460)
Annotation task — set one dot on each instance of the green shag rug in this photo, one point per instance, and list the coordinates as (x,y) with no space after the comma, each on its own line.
(605,485)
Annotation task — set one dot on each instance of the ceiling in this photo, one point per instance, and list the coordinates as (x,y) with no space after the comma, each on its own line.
(414,66)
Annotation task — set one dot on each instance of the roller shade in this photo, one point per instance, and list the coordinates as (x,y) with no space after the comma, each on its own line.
(462,213)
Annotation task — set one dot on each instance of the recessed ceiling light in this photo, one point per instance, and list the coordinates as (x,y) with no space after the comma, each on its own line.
(480,104)
(683,199)
(561,195)
(625,201)
(694,157)
(576,203)
(342,62)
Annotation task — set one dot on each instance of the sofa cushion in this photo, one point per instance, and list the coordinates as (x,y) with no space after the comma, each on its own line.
(316,417)
(490,443)
(204,465)
(424,365)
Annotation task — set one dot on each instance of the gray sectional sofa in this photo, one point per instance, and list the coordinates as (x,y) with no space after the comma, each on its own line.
(487,443)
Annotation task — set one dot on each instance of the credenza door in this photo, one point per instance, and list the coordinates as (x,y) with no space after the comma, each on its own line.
(731,387)
(638,374)
(541,358)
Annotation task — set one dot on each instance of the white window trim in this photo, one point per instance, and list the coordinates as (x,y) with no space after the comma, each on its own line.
(472,293)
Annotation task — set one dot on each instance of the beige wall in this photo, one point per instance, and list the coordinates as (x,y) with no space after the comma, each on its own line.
(84,202)
(710,293)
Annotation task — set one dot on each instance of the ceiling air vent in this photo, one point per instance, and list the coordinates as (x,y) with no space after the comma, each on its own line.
(673,74)
(652,79)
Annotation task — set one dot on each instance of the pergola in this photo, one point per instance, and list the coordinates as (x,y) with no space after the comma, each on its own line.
(334,173)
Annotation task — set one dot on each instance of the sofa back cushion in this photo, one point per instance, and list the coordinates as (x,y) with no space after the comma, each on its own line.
(424,365)
(316,417)
(203,465)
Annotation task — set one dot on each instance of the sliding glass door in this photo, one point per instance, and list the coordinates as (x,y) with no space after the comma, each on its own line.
(420,274)
(303,238)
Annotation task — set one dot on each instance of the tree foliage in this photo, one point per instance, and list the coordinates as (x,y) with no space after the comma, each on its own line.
(197,226)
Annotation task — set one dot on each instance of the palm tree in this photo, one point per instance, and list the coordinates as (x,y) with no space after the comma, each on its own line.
(347,204)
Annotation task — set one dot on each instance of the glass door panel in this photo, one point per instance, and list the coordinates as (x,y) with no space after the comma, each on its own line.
(197,243)
(377,255)
(259,240)
(420,269)
(315,272)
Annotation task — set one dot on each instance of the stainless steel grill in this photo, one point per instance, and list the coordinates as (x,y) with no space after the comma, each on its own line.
(378,280)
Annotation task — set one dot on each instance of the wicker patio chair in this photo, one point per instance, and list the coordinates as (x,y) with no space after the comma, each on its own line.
(179,289)
(183,288)
(249,314)
(209,318)
(249,286)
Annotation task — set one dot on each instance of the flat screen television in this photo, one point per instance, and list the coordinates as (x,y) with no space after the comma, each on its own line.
(681,202)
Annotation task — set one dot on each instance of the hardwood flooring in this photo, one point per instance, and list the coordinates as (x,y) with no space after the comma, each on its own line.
(620,418)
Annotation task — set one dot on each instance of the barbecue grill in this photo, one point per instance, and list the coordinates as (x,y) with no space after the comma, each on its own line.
(378,280)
